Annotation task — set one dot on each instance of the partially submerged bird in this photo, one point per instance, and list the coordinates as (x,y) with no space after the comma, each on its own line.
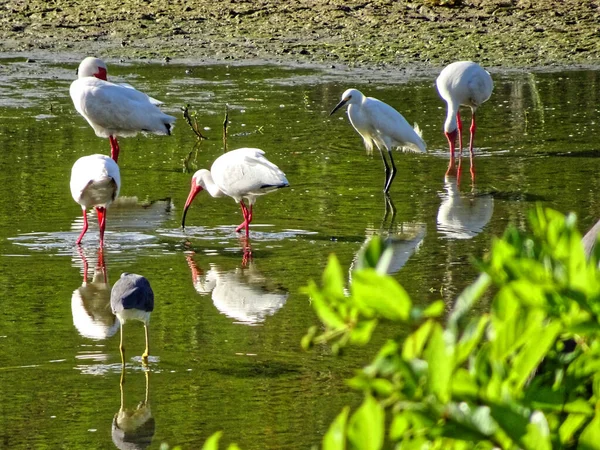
(95,182)
(115,109)
(380,124)
(241,174)
(132,298)
(462,83)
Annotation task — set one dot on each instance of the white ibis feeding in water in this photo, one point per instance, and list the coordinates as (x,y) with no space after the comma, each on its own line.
(115,109)
(241,174)
(95,182)
(132,298)
(380,124)
(462,83)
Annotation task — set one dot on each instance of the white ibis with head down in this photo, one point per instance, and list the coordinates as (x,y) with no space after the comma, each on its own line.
(115,109)
(462,83)
(241,174)
(95,182)
(380,124)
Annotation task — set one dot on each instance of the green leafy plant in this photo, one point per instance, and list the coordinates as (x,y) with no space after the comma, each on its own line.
(525,374)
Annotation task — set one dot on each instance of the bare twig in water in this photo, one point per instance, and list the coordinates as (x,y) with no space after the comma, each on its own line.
(225,123)
(192,121)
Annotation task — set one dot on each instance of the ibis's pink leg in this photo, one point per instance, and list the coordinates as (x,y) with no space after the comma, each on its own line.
(246,214)
(84,261)
(459,127)
(194,268)
(101,265)
(472,138)
(114,148)
(85,227)
(247,255)
(101,213)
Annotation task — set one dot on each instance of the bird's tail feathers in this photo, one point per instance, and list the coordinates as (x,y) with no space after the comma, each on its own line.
(418,130)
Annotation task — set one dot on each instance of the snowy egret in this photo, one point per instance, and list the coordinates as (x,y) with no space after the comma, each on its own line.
(590,238)
(95,182)
(462,83)
(132,298)
(380,124)
(115,109)
(241,174)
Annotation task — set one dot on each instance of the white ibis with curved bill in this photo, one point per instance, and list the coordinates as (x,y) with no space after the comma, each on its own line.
(241,174)
(462,83)
(95,182)
(115,109)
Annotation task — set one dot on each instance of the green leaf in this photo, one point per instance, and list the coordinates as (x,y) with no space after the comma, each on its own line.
(473,418)
(381,294)
(212,443)
(335,438)
(441,361)
(415,342)
(367,425)
(327,314)
(333,278)
(470,338)
(537,436)
(436,309)
(399,426)
(464,303)
(532,353)
(590,436)
(362,331)
(570,426)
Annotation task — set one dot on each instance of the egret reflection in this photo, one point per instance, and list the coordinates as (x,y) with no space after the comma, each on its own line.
(463,216)
(133,428)
(90,303)
(242,294)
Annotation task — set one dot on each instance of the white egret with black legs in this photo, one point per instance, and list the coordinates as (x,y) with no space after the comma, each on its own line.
(380,124)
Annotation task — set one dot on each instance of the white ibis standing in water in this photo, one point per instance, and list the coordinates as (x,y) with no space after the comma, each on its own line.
(380,124)
(95,182)
(241,174)
(462,83)
(132,298)
(115,109)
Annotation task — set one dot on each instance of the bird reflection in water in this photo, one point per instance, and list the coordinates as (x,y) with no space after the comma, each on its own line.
(133,428)
(242,294)
(404,239)
(463,216)
(90,303)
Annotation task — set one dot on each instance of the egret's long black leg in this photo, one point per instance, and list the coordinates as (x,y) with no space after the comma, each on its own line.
(387,169)
(393,175)
(389,207)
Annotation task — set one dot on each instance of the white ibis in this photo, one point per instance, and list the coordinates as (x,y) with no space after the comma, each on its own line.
(462,83)
(115,109)
(241,174)
(380,124)
(132,298)
(95,182)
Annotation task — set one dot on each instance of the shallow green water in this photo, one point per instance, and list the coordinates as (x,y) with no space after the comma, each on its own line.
(217,362)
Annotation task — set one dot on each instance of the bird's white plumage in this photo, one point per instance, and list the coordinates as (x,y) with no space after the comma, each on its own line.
(241,294)
(463,83)
(242,173)
(113,109)
(95,181)
(380,124)
(463,217)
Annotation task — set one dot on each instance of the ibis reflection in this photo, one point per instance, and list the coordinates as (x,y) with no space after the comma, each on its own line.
(242,294)
(463,216)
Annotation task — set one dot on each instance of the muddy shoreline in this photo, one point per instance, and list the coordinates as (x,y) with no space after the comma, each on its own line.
(375,35)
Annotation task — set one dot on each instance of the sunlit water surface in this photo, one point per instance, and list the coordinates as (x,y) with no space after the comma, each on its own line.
(225,333)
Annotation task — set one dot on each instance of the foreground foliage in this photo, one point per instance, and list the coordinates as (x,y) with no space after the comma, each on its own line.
(525,374)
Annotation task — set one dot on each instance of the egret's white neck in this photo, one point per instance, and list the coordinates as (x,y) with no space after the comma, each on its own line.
(205,180)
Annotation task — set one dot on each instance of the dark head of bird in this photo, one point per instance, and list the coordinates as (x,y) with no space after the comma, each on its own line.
(195,190)
(344,100)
